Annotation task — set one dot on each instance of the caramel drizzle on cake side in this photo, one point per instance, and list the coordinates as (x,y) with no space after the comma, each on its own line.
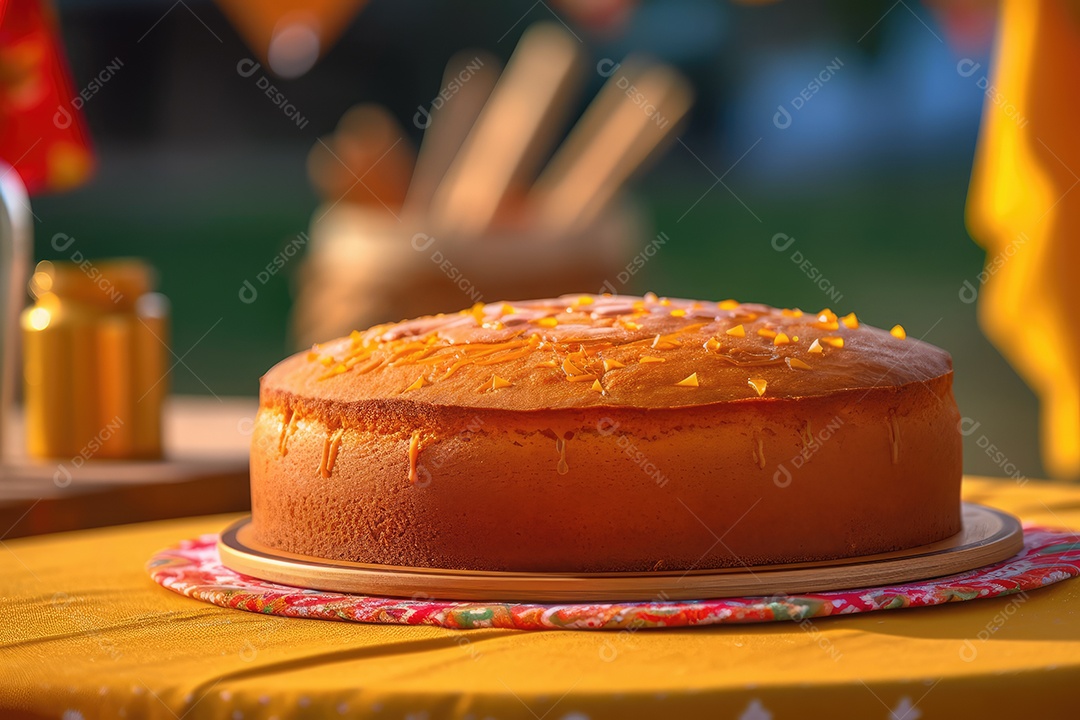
(588,337)
(758,451)
(894,438)
(288,427)
(330,452)
(414,454)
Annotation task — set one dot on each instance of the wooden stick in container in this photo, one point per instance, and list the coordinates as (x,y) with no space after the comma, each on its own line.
(513,130)
(473,74)
(629,120)
(588,129)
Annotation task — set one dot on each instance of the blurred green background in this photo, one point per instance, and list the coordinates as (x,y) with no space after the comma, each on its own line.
(201,175)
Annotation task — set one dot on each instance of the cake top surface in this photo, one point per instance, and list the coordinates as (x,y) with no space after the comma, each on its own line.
(581,351)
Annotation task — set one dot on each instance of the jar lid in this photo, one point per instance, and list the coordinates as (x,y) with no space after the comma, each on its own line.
(113,285)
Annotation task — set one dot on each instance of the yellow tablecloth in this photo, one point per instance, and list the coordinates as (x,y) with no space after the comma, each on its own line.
(87,634)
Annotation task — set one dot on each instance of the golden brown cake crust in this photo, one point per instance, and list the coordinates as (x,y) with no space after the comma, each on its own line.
(537,348)
(576,439)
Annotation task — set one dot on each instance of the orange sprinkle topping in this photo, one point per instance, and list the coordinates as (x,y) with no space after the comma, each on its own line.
(827,320)
(478,313)
(690,381)
(580,358)
(570,368)
(662,343)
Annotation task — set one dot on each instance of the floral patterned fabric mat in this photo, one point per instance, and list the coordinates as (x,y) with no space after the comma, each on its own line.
(194,569)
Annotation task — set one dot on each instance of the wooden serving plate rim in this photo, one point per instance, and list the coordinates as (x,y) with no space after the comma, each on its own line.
(989,535)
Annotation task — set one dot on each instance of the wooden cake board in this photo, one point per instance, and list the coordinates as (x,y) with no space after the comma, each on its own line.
(988,536)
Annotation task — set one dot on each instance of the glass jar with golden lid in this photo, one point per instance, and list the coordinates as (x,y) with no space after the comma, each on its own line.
(95,345)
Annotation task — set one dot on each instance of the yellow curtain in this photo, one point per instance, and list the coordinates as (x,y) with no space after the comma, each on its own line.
(1024,208)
